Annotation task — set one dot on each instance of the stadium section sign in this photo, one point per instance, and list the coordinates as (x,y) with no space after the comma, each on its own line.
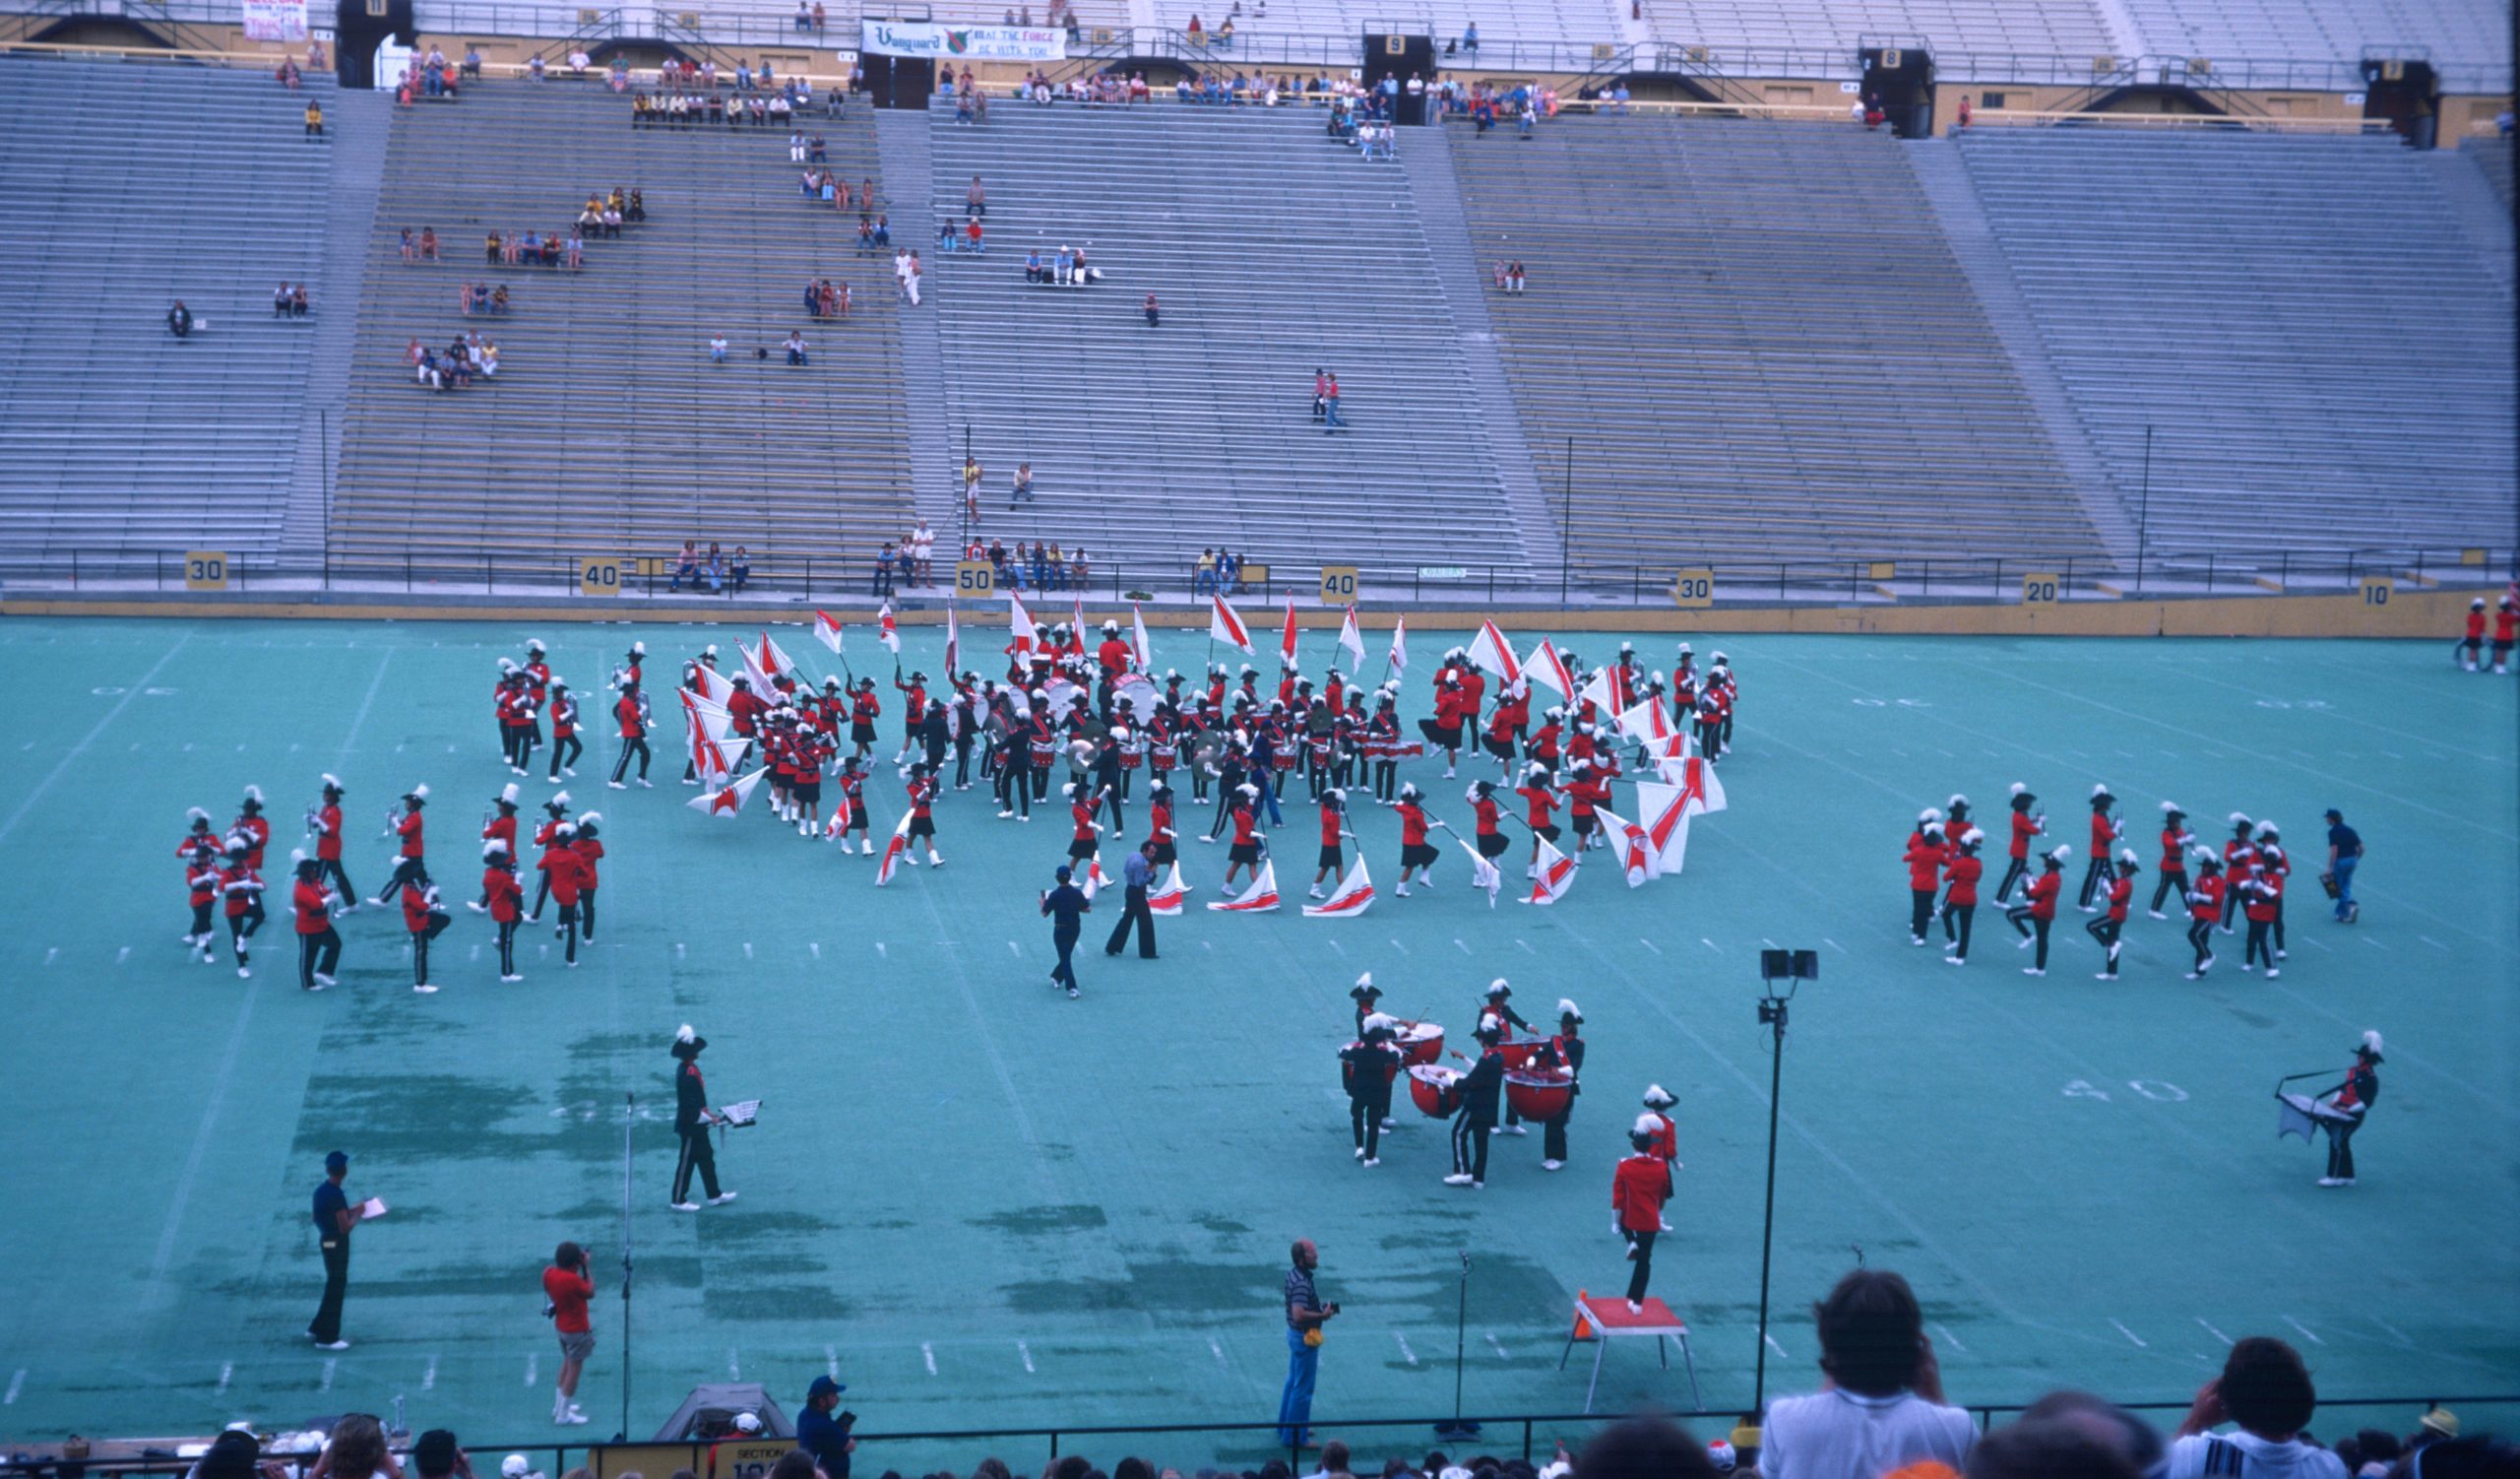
(276,19)
(988,43)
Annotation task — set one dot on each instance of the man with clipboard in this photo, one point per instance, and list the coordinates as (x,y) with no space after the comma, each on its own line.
(692,1119)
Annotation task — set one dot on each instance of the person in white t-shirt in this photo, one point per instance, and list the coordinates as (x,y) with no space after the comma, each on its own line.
(1882,1406)
(923,553)
(2266,1393)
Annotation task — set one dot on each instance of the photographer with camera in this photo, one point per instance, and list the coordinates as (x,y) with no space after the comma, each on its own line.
(1306,1316)
(822,1430)
(567,1286)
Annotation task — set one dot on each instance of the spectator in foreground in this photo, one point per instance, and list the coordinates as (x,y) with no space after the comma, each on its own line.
(1884,1406)
(2034,1450)
(179,320)
(2126,1434)
(2266,1393)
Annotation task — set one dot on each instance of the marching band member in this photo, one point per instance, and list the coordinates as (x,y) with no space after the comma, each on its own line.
(2507,628)
(1639,1187)
(1489,840)
(1925,858)
(1666,1146)
(1415,854)
(1231,775)
(2036,915)
(1086,846)
(2204,907)
(1364,994)
(1541,801)
(201,887)
(325,821)
(1961,870)
(1247,847)
(500,828)
(2025,825)
(864,709)
(507,902)
(2353,1100)
(2110,926)
(560,866)
(319,945)
(806,789)
(1728,691)
(1382,742)
(852,797)
(913,711)
(922,816)
(2472,645)
(424,915)
(1159,828)
(197,832)
(1334,826)
(1366,1067)
(2237,850)
(1495,1007)
(555,814)
(2175,841)
(1565,1049)
(692,1117)
(240,885)
(254,828)
(566,746)
(588,846)
(2279,863)
(631,712)
(2105,832)
(510,703)
(1957,821)
(538,686)
(2261,892)
(1547,742)
(1584,792)
(628,674)
(1480,1088)
(406,823)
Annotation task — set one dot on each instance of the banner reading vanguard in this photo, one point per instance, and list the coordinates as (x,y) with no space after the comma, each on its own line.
(998,44)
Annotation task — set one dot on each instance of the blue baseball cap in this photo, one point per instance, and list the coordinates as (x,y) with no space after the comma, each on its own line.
(1065,873)
(824,1386)
(335,1161)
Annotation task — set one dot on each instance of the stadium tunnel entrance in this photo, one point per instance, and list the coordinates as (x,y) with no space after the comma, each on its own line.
(1899,76)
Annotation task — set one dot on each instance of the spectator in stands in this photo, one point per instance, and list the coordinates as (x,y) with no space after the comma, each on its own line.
(819,19)
(637,210)
(280,301)
(740,568)
(976,199)
(923,551)
(884,571)
(2266,1391)
(1023,486)
(499,299)
(972,242)
(1514,277)
(1154,316)
(428,244)
(1873,112)
(1330,405)
(1076,566)
(1883,1404)
(472,60)
(717,349)
(686,565)
(1203,575)
(795,347)
(883,228)
(314,120)
(287,74)
(533,67)
(804,15)
(579,61)
(1963,111)
(179,320)
(2503,123)
(298,304)
(356,1449)
(1032,265)
(315,59)
(1469,37)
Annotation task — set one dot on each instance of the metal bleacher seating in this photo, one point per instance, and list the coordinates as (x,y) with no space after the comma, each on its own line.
(1573,22)
(1273,251)
(2455,32)
(608,428)
(1958,31)
(2323,359)
(127,188)
(1759,343)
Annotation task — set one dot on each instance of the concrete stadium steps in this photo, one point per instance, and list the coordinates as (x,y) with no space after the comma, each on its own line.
(2324,361)
(1954,28)
(2476,178)
(1761,344)
(129,187)
(1272,251)
(607,428)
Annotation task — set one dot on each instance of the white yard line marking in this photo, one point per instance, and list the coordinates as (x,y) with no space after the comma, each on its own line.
(2396,1335)
(2308,1335)
(1335,947)
(1026,1352)
(2373,943)
(532,1367)
(1406,1354)
(476,954)
(2209,1329)
(1771,944)
(1497,1346)
(2428,939)
(1462,944)
(2312,944)
(330,1364)
(226,1369)
(816,947)
(928,1353)
(677,949)
(747,950)
(17,1384)
(1524,946)
(1216,1350)
(1649,944)
(831,1362)
(1772,1345)
(52,955)
(1834,946)
(122,954)
(428,1378)
(1397,945)
(1710,945)
(1014,949)
(2139,1340)
(1950,1339)
(1211,948)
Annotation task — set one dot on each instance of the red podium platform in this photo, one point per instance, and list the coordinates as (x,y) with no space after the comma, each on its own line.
(1610,1321)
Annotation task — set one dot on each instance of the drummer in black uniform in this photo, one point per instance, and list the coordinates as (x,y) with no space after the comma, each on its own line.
(692,1119)
(1479,1090)
(1565,1050)
(1365,994)
(1496,1007)
(1369,1068)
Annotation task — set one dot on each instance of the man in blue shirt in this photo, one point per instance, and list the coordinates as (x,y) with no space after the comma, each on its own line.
(1137,875)
(334,1220)
(1065,907)
(824,1432)
(2344,855)
(1306,1315)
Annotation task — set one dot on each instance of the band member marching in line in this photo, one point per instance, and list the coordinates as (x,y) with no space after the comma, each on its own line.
(1639,1187)
(630,710)
(405,822)
(692,1119)
(1332,864)
(2036,915)
(2261,891)
(864,710)
(253,829)
(2352,1104)
(1666,1146)
(2112,925)
(1366,1069)
(507,902)
(1248,847)
(921,789)
(1961,870)
(200,890)
(555,814)
(517,719)
(324,822)
(1925,858)
(2204,907)
(560,866)
(319,945)
(1417,854)
(2025,825)
(852,801)
(1541,801)
(1957,821)
(2175,841)
(2105,832)
(1487,836)
(1085,844)
(1479,1090)
(2506,630)
(566,746)
(2237,851)
(499,826)
(588,846)
(2279,863)
(1565,1050)
(425,918)
(914,712)
(240,887)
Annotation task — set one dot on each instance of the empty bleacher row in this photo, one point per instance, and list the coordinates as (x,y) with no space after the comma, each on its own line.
(1759,345)
(2322,356)
(130,187)
(607,426)
(1273,252)
(1733,30)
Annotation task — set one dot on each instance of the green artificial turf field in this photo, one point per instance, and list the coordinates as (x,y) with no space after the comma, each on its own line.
(984,1204)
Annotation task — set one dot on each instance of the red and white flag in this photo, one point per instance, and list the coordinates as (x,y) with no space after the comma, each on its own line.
(826,631)
(1697,781)
(1556,876)
(715,687)
(953,648)
(1548,670)
(1021,622)
(1351,639)
(1260,898)
(757,672)
(1597,691)
(839,822)
(727,800)
(1400,644)
(893,851)
(1483,873)
(1139,647)
(1286,638)
(1354,893)
(1665,812)
(780,664)
(1076,626)
(884,631)
(1166,900)
(1095,881)
(1628,840)
(1648,725)
(1490,651)
(1227,627)
(714,758)
(701,714)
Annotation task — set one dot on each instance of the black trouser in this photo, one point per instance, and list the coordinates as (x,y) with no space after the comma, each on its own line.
(512,744)
(696,1156)
(569,928)
(2279,924)
(2200,938)
(566,749)
(1641,1249)
(329,869)
(2173,884)
(318,954)
(507,947)
(240,929)
(2105,931)
(327,1326)
(1134,911)
(1964,914)
(962,762)
(2022,920)
(1552,1135)
(586,915)
(1014,792)
(2012,875)
(2340,1146)
(2096,872)
(201,923)
(1470,1146)
(1063,941)
(542,895)
(1386,780)
(1919,911)
(2257,944)
(1041,774)
(404,870)
(2232,898)
(1364,1124)
(436,926)
(630,744)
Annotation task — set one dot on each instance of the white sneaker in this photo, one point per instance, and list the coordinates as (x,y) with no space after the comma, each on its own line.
(567,1419)
(616,786)
(1002,815)
(1374,1160)
(1360,1152)
(2032,970)
(2279,955)
(1513,1129)
(686,1207)
(869,849)
(475,906)
(1955,960)
(721,1198)
(2104,976)
(1457,1179)
(1916,940)
(2272,973)
(243,973)
(1550,1165)
(1315,892)
(569,770)
(426,989)
(2332,1180)
(511,978)
(323,980)
(933,861)
(648,784)
(1402,891)
(2157,914)
(332,1345)
(1633,1308)
(2025,943)
(2090,909)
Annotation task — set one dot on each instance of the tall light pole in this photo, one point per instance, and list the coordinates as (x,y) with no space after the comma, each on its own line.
(1774,966)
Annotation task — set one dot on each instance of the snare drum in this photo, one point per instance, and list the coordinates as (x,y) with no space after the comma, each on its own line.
(1421,1044)
(1436,1091)
(1542,1095)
